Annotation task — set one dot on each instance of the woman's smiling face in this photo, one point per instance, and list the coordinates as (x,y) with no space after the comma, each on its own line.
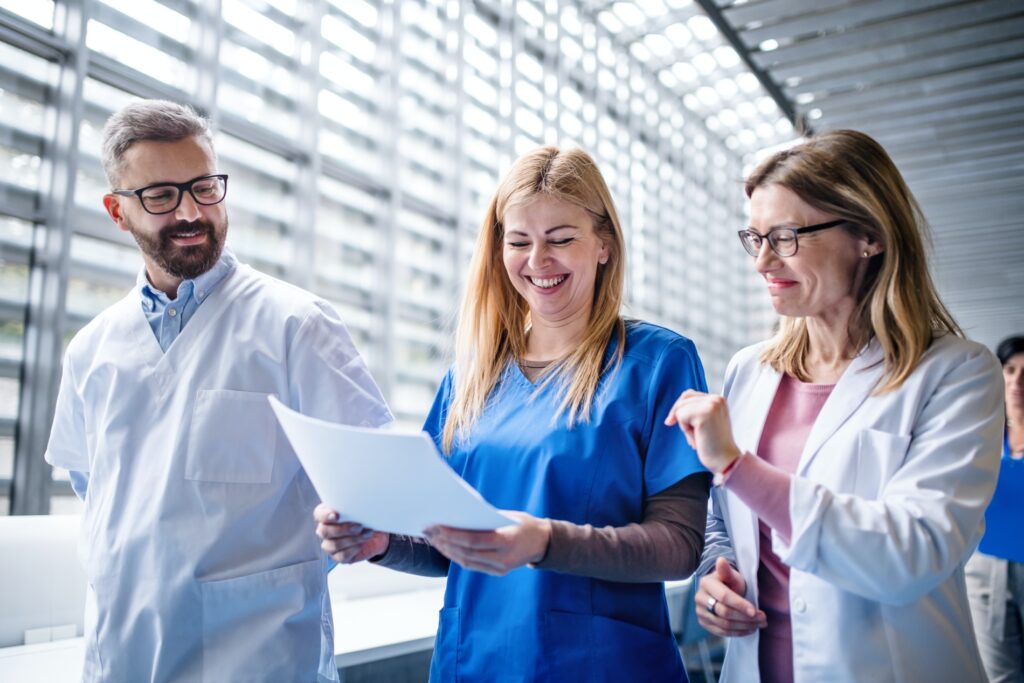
(824,275)
(551,253)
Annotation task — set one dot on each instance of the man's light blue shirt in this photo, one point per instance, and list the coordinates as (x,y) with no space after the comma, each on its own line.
(168,317)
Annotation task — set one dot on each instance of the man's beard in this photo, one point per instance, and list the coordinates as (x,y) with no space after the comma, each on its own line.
(186,263)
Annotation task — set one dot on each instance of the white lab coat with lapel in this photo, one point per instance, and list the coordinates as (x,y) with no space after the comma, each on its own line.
(886,506)
(197,532)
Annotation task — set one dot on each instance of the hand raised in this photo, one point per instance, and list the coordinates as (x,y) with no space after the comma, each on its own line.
(704,419)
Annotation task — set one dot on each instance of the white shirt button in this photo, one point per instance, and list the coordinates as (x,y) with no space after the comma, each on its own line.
(171,312)
(799,605)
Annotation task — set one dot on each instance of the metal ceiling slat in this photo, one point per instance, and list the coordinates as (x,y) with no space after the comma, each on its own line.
(749,13)
(887,33)
(953,258)
(856,14)
(1011,166)
(967,273)
(950,132)
(998,194)
(964,273)
(939,63)
(920,87)
(940,83)
(938,116)
(994,237)
(911,153)
(996,154)
(770,85)
(974,212)
(912,106)
(969,281)
(936,195)
(951,177)
(968,266)
(1006,302)
(983,225)
(989,216)
(876,58)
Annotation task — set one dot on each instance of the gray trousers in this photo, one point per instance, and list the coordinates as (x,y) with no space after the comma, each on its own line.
(995,588)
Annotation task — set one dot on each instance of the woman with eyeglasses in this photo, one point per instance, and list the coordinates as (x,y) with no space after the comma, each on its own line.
(995,574)
(855,451)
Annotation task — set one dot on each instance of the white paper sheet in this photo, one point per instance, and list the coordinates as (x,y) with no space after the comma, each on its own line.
(386,480)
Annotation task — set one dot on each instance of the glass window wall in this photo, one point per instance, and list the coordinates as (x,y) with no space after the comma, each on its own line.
(364,139)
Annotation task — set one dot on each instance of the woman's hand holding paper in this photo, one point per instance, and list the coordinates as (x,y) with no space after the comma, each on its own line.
(494,552)
(347,542)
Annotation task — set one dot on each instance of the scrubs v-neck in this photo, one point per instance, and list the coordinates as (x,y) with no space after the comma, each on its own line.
(538,625)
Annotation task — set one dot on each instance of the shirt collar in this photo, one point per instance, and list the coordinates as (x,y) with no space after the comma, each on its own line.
(201,287)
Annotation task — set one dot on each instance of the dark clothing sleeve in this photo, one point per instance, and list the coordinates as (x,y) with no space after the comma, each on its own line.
(412,555)
(665,545)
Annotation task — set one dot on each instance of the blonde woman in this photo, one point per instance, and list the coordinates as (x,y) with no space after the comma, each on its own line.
(554,409)
(856,450)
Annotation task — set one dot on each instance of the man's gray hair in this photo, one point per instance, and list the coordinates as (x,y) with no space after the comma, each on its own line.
(148,120)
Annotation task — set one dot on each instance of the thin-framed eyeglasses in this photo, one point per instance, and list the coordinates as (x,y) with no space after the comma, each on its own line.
(161,198)
(783,241)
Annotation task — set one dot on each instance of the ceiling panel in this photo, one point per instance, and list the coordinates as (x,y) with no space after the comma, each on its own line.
(908,28)
(941,85)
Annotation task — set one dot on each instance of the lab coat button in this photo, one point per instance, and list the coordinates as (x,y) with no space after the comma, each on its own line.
(799,605)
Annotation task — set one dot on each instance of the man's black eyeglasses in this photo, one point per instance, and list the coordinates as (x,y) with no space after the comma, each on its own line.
(161,198)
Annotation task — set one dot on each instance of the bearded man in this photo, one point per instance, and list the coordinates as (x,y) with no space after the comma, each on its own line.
(195,536)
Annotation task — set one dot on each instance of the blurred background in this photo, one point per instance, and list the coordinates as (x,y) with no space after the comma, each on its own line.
(364,139)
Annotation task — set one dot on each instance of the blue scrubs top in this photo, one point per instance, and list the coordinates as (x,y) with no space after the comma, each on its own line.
(1002,517)
(539,625)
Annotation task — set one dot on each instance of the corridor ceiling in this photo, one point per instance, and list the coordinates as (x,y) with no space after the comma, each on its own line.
(939,83)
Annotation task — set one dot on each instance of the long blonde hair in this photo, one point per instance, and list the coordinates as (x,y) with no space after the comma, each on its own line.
(494,319)
(847,173)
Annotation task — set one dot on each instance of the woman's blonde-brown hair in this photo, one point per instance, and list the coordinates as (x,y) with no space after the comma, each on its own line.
(847,173)
(494,319)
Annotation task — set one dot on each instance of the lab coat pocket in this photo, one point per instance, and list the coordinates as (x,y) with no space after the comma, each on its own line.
(264,626)
(232,439)
(879,455)
(445,664)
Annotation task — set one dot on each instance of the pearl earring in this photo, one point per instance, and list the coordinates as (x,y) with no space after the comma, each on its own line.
(865,253)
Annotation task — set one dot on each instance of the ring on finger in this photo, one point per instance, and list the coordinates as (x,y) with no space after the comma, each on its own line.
(710,604)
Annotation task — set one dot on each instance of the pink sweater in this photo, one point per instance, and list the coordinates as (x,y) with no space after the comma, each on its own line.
(763,484)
